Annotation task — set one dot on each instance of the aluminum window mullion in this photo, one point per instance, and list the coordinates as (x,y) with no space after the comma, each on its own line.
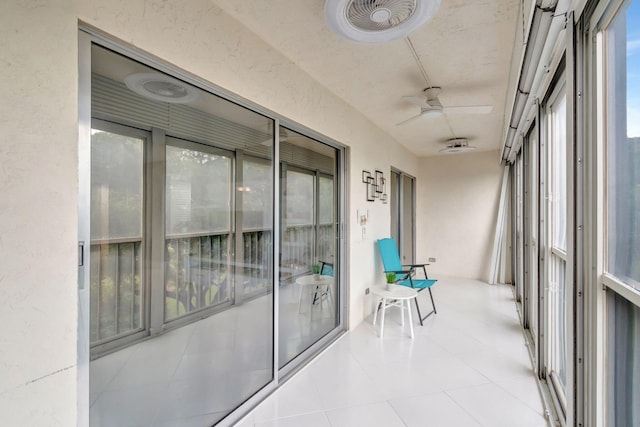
(237,258)
(156,230)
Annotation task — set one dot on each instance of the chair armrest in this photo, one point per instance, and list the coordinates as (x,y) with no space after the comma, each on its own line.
(416,266)
(398,271)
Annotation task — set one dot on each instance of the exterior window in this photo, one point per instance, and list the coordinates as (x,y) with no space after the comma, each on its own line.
(557,268)
(623,147)
(622,226)
(624,370)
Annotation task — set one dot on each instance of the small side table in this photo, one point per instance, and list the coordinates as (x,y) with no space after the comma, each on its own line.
(396,296)
(321,289)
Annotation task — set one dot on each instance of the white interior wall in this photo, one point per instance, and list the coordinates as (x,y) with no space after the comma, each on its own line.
(457,205)
(39,178)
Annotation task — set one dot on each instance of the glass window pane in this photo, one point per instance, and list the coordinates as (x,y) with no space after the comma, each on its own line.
(116,186)
(116,235)
(257,220)
(198,192)
(326,221)
(623,367)
(256,194)
(198,210)
(623,146)
(299,195)
(559,321)
(556,311)
(325,202)
(559,169)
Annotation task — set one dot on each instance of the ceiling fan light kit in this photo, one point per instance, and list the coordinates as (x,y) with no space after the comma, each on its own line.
(457,145)
(160,87)
(378,21)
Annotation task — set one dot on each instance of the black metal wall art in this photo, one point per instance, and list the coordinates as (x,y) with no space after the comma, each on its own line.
(376,186)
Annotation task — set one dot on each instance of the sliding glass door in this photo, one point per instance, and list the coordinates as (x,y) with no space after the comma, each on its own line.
(184,258)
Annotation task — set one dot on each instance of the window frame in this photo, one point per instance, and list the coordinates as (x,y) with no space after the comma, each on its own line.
(599,284)
(551,254)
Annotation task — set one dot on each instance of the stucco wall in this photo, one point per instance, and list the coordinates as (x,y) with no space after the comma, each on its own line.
(458,197)
(39,178)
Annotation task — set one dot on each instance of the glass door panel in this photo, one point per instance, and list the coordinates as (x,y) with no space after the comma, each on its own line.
(181,223)
(308,303)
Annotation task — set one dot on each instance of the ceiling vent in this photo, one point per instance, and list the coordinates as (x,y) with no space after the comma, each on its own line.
(161,87)
(457,145)
(378,21)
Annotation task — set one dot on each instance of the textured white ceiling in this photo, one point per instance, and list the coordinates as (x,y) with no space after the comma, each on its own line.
(465,49)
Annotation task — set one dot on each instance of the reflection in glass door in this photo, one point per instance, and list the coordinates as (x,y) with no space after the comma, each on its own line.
(181,311)
(197,228)
(118,281)
(182,299)
(308,303)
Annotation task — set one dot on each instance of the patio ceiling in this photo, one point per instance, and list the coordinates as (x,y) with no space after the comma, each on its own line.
(465,49)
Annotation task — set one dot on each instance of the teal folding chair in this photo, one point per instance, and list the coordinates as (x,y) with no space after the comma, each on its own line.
(406,273)
(326,268)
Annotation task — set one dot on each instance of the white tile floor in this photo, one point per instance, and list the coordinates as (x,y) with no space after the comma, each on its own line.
(467,366)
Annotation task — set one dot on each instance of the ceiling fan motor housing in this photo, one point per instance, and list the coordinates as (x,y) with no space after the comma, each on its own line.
(378,21)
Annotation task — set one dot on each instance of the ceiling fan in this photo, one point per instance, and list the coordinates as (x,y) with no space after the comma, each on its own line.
(430,106)
(457,145)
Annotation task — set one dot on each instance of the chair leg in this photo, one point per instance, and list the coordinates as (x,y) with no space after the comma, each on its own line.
(432,303)
(428,314)
(418,309)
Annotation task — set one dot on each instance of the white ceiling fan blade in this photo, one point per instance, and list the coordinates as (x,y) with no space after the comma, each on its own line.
(410,119)
(469,109)
(420,101)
